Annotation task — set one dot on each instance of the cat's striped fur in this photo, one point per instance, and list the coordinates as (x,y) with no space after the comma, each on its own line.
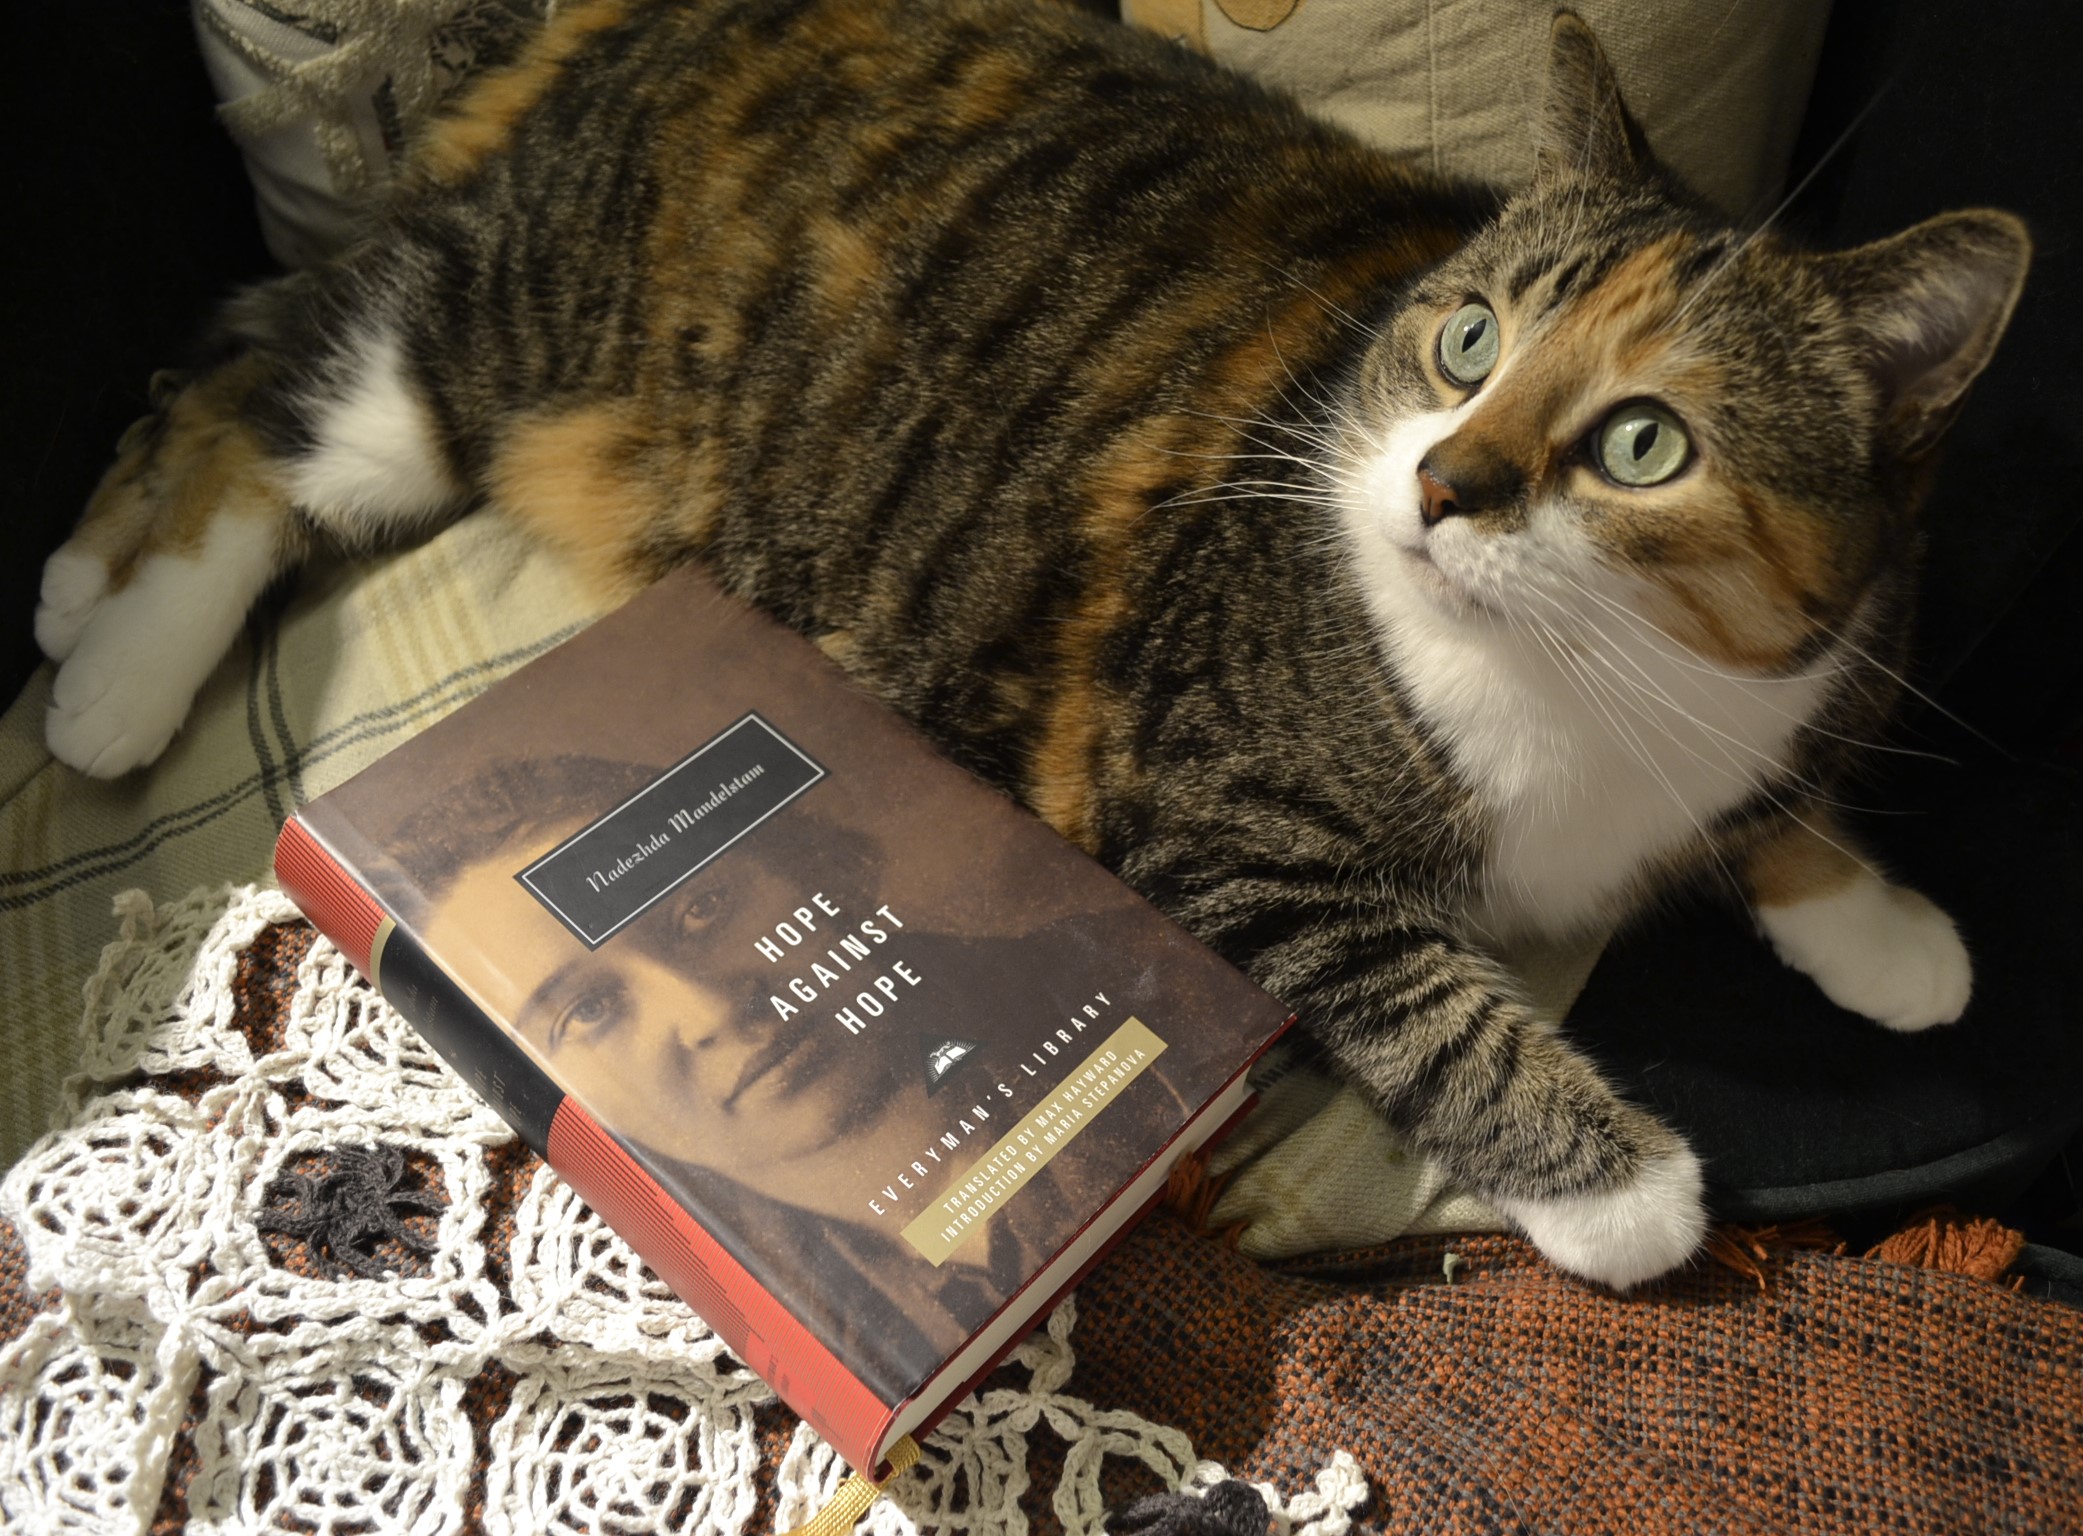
(1088,404)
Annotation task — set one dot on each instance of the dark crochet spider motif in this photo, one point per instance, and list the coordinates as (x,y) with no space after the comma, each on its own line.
(339,1214)
(1233,1508)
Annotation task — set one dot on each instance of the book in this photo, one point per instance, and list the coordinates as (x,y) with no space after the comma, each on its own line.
(864,1060)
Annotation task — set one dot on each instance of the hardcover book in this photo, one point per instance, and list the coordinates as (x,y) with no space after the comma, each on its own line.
(864,1060)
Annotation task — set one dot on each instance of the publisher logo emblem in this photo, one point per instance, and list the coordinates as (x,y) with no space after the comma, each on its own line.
(943,1056)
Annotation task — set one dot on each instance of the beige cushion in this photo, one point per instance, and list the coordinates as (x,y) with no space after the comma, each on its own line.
(1718,86)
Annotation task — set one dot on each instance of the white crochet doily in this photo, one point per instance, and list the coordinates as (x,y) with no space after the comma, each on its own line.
(337,1406)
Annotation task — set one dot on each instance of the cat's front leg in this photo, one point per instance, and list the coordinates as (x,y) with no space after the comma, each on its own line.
(1435,1033)
(212,497)
(1878,949)
(185,530)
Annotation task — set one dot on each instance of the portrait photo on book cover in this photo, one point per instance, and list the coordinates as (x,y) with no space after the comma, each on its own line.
(818,1042)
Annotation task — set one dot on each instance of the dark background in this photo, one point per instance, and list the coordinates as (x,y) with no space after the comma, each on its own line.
(1968,104)
(129,215)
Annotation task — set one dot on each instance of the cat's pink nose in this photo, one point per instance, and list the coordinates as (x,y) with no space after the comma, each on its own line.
(1435,498)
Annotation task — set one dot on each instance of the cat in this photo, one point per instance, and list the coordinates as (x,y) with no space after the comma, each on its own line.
(1373,570)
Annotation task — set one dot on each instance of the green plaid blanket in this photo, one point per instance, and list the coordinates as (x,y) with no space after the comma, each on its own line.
(358,658)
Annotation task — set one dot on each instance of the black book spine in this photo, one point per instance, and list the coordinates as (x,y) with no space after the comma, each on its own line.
(382,949)
(483,1055)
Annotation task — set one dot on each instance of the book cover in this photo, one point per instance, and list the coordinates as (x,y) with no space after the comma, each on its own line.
(863,1059)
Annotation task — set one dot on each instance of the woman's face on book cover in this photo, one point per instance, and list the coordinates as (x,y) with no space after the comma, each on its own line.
(668,1035)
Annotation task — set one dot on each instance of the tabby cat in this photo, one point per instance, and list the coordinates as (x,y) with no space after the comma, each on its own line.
(1374,571)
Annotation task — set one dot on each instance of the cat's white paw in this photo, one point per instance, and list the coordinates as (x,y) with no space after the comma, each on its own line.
(110,714)
(1623,1236)
(74,584)
(1880,950)
(131,673)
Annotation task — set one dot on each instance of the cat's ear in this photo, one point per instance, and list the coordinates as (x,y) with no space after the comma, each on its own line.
(1585,127)
(1928,307)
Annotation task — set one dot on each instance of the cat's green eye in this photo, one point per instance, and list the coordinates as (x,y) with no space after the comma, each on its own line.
(1468,345)
(1642,444)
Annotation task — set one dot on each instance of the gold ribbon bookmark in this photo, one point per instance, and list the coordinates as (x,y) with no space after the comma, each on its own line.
(857,1493)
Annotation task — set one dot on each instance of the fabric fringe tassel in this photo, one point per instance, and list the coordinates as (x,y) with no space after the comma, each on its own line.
(1191,1192)
(1944,1239)
(1941,1239)
(1747,1250)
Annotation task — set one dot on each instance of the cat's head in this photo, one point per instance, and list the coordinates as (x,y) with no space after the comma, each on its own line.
(1610,397)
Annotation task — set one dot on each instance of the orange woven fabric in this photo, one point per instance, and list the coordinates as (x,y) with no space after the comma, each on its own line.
(1848,1395)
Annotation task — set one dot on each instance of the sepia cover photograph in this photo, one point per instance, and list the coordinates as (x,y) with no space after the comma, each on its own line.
(852,1049)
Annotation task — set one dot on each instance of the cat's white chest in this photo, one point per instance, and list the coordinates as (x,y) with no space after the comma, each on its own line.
(1590,765)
